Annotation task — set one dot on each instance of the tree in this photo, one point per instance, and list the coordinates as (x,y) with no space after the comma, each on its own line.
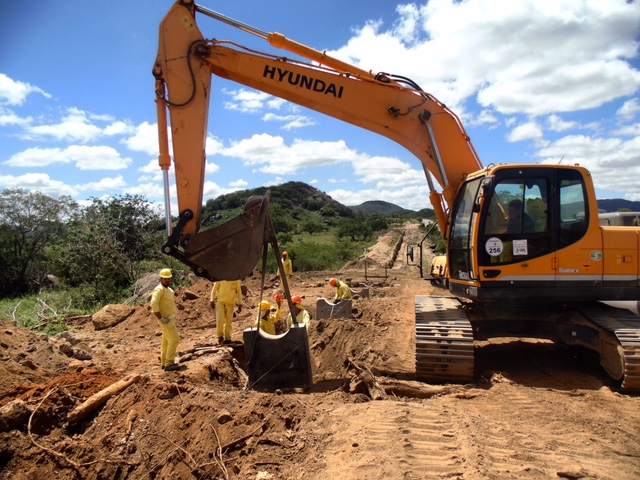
(30,222)
(312,226)
(105,244)
(355,229)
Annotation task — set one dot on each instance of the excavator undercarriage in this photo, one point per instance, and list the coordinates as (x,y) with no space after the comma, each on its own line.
(446,330)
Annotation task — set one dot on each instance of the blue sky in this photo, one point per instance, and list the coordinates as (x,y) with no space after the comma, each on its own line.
(533,82)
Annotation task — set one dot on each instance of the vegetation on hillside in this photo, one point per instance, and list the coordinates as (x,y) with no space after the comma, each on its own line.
(94,254)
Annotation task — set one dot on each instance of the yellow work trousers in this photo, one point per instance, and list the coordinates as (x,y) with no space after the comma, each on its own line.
(170,341)
(224,315)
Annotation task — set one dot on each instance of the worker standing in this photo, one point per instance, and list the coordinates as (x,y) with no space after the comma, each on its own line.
(268,318)
(287,266)
(163,306)
(343,292)
(302,316)
(225,295)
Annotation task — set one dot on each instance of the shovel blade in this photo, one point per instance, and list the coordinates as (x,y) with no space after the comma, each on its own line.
(278,361)
(231,251)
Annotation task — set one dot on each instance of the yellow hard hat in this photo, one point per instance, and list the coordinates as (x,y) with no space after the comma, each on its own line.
(333,282)
(264,305)
(165,273)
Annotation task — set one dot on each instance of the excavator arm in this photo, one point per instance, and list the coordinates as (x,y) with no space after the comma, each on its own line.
(392,106)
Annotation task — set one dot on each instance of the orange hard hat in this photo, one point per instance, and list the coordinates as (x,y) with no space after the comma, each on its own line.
(285,254)
(333,282)
(296,299)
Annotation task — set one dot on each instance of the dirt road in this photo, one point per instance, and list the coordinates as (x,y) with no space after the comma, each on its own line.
(535,411)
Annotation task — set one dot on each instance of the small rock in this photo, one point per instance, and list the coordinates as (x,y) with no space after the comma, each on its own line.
(224,417)
(13,415)
(66,348)
(82,355)
(189,295)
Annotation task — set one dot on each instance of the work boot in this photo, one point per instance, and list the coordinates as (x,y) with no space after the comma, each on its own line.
(171,368)
(220,340)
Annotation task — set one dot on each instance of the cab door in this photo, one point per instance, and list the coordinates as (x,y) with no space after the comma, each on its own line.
(579,257)
(516,241)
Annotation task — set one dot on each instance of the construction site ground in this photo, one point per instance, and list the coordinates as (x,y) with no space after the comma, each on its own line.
(94,403)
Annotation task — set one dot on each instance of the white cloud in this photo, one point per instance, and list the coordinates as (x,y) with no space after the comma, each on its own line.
(117,128)
(281,159)
(85,157)
(291,122)
(7,117)
(248,101)
(629,110)
(526,131)
(628,131)
(13,92)
(40,182)
(74,126)
(104,185)
(614,163)
(387,172)
(526,57)
(238,184)
(144,139)
(557,124)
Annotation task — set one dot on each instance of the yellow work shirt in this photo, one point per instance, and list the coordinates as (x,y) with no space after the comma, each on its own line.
(228,292)
(163,300)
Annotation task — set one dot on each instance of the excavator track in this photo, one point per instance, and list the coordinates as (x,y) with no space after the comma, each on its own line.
(625,326)
(444,341)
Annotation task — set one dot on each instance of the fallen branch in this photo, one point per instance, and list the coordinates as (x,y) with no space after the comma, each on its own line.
(52,452)
(219,461)
(235,442)
(364,374)
(172,443)
(42,447)
(412,389)
(97,400)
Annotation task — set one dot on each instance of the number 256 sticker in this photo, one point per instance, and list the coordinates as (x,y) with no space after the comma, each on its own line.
(494,246)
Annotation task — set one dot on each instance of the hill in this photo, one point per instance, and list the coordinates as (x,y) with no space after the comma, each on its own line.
(615,204)
(378,207)
(297,199)
(302,201)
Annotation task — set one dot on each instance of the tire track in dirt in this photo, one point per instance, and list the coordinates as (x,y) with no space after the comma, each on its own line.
(415,442)
(500,444)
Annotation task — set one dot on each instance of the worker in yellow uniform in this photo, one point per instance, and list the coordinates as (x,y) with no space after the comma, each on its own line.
(163,306)
(343,292)
(302,316)
(268,318)
(225,295)
(287,266)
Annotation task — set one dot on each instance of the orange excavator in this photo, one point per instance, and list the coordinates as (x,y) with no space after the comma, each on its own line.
(526,253)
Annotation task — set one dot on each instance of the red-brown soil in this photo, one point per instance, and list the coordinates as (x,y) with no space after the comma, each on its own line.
(535,411)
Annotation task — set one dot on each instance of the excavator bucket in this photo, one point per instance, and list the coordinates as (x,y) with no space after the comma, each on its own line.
(231,250)
(278,361)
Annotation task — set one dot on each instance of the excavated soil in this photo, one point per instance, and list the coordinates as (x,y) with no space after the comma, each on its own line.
(535,411)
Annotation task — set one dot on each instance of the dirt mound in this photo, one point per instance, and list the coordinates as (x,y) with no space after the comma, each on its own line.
(536,411)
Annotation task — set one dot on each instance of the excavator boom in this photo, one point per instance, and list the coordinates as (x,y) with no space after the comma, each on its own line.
(390,106)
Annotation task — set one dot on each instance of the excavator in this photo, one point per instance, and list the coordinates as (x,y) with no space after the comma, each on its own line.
(526,254)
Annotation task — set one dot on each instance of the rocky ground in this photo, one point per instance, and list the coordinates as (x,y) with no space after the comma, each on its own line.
(93,403)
